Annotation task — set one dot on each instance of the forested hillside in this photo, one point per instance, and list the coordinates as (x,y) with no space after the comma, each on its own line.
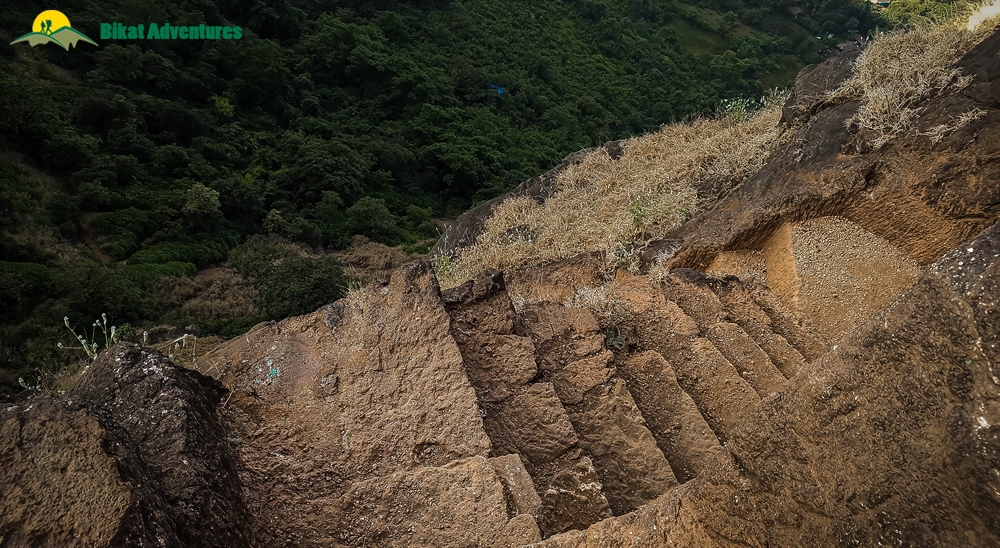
(128,167)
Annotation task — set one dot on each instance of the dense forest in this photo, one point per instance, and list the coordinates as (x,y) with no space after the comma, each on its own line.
(128,167)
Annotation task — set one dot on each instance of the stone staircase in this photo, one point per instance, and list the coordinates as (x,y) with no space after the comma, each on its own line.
(603,431)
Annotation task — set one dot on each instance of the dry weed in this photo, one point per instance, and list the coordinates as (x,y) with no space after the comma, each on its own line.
(938,133)
(370,261)
(225,294)
(900,69)
(659,271)
(604,301)
(607,205)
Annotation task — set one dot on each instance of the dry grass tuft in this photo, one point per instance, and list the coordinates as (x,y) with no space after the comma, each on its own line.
(938,133)
(604,301)
(368,261)
(224,294)
(607,205)
(900,69)
(659,271)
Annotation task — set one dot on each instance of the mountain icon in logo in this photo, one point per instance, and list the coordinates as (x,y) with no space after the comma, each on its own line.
(52,26)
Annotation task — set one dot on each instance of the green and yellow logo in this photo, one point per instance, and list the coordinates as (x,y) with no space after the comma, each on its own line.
(53,26)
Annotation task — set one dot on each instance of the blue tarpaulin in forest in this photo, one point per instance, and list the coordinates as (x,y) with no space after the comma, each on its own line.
(498,88)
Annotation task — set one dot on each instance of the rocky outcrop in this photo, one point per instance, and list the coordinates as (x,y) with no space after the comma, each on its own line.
(136,455)
(359,426)
(58,485)
(814,82)
(884,215)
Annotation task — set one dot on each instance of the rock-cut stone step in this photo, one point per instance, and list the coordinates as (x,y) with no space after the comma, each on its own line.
(611,429)
(658,322)
(681,432)
(742,351)
(521,411)
(709,301)
(743,310)
(723,397)
(798,332)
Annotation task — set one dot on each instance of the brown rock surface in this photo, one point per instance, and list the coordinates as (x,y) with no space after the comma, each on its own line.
(915,382)
(136,456)
(672,416)
(340,407)
(517,486)
(459,504)
(498,365)
(58,486)
(520,530)
(573,498)
(562,335)
(749,360)
(574,380)
(533,424)
(613,434)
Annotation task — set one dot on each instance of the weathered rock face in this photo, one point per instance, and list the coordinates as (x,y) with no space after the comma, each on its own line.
(359,426)
(924,198)
(137,456)
(173,446)
(814,82)
(58,486)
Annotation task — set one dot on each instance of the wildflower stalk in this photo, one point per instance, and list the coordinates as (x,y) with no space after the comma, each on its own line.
(90,348)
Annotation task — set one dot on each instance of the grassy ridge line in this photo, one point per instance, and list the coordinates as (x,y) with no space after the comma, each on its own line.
(607,206)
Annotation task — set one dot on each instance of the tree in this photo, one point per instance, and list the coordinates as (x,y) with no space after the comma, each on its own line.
(370,216)
(202,206)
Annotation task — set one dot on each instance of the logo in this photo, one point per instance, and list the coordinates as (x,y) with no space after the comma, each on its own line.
(166,31)
(52,26)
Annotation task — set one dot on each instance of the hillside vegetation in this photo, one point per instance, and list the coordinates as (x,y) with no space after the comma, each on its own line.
(127,168)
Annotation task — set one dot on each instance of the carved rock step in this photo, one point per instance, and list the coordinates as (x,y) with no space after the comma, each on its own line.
(745,312)
(798,332)
(742,351)
(656,323)
(710,301)
(522,414)
(681,432)
(720,393)
(614,434)
(611,429)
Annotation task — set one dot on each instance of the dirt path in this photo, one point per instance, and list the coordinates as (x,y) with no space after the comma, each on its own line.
(90,238)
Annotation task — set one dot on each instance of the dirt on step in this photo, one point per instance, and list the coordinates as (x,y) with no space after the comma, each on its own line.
(835,272)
